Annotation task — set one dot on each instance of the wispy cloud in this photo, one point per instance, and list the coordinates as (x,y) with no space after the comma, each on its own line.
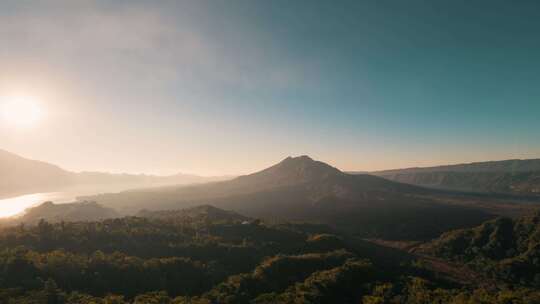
(135,43)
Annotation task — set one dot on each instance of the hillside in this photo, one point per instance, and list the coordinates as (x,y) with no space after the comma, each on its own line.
(302,189)
(20,176)
(156,260)
(519,177)
(506,249)
(201,214)
(134,257)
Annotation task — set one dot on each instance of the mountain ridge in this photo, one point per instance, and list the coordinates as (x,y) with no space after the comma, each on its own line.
(517,177)
(500,166)
(21,176)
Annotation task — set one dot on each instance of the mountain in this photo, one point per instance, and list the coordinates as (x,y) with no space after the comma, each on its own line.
(290,171)
(53,213)
(506,249)
(314,179)
(302,189)
(24,176)
(518,177)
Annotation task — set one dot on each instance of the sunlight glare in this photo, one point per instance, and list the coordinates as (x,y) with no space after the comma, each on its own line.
(20,111)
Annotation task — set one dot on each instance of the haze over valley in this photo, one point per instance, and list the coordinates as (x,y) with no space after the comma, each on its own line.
(26,183)
(297,189)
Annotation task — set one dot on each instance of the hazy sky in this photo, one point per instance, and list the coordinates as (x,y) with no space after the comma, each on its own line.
(228,87)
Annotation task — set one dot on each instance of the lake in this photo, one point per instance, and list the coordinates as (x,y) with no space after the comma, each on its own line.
(16,205)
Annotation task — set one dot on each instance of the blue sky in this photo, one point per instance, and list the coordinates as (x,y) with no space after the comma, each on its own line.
(227,87)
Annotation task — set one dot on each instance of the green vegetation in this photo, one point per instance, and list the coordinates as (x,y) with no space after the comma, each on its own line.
(207,255)
(503,248)
(416,290)
(204,252)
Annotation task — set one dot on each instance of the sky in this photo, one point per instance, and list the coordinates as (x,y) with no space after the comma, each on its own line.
(232,86)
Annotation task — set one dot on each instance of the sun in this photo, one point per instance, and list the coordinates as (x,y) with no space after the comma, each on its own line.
(20,111)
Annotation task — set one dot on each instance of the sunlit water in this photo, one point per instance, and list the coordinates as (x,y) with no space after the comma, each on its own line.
(16,205)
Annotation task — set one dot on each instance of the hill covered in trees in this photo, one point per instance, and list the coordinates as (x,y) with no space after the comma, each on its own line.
(204,213)
(506,249)
(216,257)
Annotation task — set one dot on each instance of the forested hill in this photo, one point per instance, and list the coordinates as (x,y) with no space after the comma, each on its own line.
(506,249)
(204,213)
(215,260)
(519,177)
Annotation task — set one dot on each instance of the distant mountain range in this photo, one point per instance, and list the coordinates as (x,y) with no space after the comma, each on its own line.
(302,189)
(296,189)
(518,177)
(20,176)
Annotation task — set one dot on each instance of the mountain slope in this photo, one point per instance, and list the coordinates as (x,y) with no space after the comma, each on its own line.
(301,189)
(302,175)
(153,260)
(520,177)
(507,249)
(20,176)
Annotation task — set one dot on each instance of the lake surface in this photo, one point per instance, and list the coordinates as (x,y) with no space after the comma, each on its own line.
(16,205)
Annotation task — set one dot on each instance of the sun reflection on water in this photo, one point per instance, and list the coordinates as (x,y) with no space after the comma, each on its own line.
(16,205)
